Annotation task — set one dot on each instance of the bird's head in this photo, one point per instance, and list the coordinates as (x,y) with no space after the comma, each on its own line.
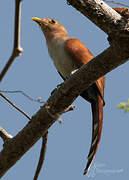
(50,27)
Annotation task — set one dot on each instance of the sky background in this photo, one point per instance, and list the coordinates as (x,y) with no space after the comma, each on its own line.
(34,73)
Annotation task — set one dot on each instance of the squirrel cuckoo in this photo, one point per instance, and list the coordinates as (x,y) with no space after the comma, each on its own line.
(68,55)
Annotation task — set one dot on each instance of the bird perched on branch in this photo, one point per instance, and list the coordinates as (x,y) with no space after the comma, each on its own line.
(68,55)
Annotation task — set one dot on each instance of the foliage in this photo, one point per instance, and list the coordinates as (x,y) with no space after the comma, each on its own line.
(124,105)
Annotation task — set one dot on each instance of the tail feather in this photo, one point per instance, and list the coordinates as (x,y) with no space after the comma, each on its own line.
(97,113)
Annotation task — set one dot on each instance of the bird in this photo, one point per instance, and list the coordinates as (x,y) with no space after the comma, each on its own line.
(68,55)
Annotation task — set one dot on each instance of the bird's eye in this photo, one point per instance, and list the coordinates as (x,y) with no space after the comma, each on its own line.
(53,21)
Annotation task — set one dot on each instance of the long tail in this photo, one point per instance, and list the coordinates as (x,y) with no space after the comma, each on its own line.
(97,113)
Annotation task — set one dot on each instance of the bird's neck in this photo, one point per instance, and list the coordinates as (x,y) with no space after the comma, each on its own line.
(55,37)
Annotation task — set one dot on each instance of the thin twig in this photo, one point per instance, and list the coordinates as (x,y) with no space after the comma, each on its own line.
(115,2)
(15,106)
(44,138)
(70,108)
(44,147)
(42,155)
(17,50)
(4,135)
(24,94)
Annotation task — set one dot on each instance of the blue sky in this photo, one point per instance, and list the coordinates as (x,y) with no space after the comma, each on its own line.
(34,73)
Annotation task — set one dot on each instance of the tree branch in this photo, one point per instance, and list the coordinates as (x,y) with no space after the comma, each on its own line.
(39,100)
(42,155)
(15,106)
(17,50)
(4,135)
(114,56)
(102,15)
(55,105)
(116,2)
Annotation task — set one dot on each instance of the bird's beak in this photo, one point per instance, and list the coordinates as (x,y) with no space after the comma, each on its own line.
(36,19)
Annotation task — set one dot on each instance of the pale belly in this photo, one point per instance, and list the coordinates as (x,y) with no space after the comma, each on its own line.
(62,60)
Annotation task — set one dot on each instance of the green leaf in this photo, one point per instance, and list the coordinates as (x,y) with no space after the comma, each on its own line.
(122,105)
(127,109)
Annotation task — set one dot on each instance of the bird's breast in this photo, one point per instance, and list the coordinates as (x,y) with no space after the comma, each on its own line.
(61,59)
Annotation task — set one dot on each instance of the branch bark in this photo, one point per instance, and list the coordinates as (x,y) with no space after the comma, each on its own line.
(117,54)
(102,15)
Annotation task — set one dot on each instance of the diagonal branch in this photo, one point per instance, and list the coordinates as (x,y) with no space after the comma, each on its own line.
(111,58)
(17,50)
(15,106)
(102,15)
(55,105)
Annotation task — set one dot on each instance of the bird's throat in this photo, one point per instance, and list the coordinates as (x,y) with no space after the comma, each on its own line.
(60,57)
